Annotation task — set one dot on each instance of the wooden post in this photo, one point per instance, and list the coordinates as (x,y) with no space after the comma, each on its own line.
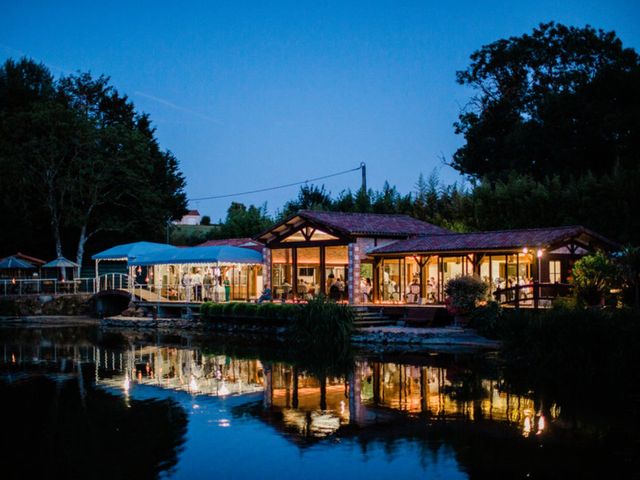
(294,273)
(536,294)
(323,270)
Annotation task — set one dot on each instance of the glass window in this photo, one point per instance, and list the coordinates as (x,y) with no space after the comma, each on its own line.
(555,275)
(308,272)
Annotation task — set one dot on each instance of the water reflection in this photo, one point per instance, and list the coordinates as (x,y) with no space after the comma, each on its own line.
(140,401)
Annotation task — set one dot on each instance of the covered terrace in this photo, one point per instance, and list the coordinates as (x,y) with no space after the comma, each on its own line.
(522,267)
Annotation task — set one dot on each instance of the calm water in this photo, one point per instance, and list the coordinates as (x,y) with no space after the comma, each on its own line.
(80,402)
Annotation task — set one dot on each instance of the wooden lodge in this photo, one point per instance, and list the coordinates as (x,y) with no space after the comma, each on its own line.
(397,259)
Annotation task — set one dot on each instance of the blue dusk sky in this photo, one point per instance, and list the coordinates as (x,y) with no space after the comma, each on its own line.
(254,94)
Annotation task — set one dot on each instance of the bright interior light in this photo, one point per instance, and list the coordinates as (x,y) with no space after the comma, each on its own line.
(539,253)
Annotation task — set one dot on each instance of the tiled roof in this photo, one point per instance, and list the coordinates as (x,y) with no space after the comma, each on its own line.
(373,223)
(491,240)
(235,242)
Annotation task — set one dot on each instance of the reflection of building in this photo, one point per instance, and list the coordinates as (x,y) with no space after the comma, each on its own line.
(179,369)
(305,407)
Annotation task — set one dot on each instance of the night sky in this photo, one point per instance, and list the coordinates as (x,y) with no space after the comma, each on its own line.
(250,95)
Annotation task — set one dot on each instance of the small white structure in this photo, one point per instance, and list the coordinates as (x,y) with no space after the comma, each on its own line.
(192,217)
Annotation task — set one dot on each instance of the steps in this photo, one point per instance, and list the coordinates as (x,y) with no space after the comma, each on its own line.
(368,318)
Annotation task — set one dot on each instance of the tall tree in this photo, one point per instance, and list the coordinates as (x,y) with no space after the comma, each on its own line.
(561,100)
(78,151)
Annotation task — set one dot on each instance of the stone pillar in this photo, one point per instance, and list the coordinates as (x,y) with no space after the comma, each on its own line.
(355,294)
(266,269)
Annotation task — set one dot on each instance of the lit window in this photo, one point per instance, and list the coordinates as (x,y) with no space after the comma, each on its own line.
(554,271)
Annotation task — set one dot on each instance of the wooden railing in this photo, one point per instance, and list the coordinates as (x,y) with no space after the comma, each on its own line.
(534,294)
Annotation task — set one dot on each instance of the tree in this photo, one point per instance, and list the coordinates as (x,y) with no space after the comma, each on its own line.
(243,222)
(562,100)
(77,150)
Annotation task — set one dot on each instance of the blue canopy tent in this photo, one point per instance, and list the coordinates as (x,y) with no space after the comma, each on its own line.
(216,255)
(218,272)
(123,253)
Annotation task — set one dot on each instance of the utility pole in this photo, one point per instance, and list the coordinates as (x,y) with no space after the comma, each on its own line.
(363,167)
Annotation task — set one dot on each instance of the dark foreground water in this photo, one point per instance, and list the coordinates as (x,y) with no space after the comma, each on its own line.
(80,402)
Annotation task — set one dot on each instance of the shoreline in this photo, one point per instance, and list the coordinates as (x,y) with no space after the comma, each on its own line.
(377,338)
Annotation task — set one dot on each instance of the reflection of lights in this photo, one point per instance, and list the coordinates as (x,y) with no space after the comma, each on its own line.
(223,389)
(13,358)
(541,425)
(527,427)
(139,270)
(193,384)
(341,406)
(196,406)
(224,422)
(127,383)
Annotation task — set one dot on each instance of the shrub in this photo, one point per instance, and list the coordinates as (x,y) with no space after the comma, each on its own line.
(486,319)
(464,294)
(322,322)
(593,277)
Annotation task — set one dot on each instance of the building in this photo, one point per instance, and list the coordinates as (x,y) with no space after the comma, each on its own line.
(399,259)
(192,217)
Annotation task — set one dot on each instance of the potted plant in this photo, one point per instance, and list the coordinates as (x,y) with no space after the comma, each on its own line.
(463,296)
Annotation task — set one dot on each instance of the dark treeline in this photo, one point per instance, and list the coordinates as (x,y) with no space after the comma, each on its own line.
(81,168)
(605,203)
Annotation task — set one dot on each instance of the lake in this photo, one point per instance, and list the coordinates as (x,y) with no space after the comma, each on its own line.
(86,402)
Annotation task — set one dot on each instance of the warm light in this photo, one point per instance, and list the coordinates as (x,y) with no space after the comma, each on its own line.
(13,280)
(139,269)
(539,253)
(525,250)
(541,424)
(527,427)
(146,279)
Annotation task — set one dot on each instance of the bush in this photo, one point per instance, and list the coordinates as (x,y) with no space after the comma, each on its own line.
(593,277)
(322,322)
(486,320)
(464,294)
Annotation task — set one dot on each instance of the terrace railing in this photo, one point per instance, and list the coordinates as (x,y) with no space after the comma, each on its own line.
(114,281)
(533,295)
(45,286)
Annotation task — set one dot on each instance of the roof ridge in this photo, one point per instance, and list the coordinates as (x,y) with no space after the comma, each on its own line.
(502,231)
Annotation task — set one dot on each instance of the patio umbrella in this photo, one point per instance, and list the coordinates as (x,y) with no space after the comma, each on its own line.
(61,263)
(14,263)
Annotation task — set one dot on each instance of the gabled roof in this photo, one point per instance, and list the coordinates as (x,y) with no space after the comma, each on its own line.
(129,251)
(14,263)
(354,224)
(202,255)
(245,242)
(497,240)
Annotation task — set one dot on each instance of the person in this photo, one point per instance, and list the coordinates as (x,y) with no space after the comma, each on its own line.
(341,288)
(207,281)
(197,285)
(302,289)
(286,290)
(366,286)
(266,296)
(414,291)
(330,281)
(186,284)
(227,289)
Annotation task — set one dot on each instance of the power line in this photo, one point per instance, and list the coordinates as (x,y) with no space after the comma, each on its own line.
(213,197)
